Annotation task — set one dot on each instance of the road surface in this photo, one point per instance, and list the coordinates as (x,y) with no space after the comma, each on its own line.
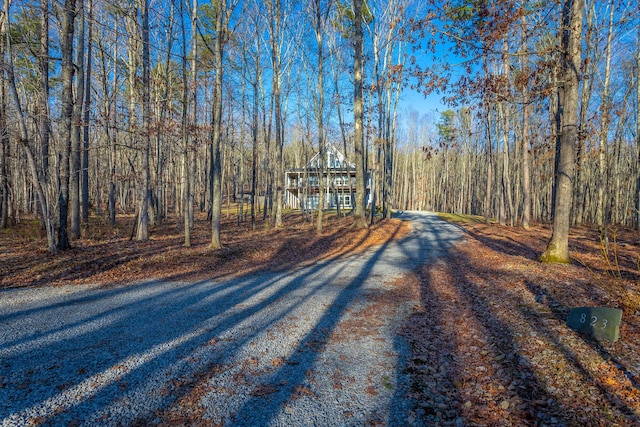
(304,347)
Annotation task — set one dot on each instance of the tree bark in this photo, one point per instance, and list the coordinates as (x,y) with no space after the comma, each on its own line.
(143,212)
(637,192)
(566,122)
(186,184)
(76,141)
(110,113)
(581,176)
(488,195)
(66,46)
(360,220)
(506,131)
(275,26)
(254,142)
(318,26)
(86,115)
(526,165)
(603,181)
(194,113)
(45,118)
(216,134)
(4,137)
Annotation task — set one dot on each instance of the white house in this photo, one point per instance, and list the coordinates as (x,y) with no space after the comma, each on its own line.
(303,184)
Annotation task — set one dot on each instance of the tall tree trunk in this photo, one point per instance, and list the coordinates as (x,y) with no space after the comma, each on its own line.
(275,26)
(194,118)
(360,220)
(255,123)
(506,131)
(526,164)
(637,195)
(45,117)
(488,195)
(581,176)
(566,122)
(4,142)
(76,141)
(85,121)
(526,168)
(254,142)
(143,212)
(110,113)
(389,140)
(66,46)
(216,135)
(161,204)
(603,181)
(318,20)
(186,184)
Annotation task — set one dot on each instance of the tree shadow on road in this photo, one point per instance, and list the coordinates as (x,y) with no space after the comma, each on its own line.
(127,354)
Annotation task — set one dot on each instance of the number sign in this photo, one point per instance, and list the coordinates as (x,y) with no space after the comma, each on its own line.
(601,322)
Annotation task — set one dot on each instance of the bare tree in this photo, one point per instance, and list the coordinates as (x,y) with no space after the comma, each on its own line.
(603,182)
(4,136)
(526,108)
(637,195)
(76,140)
(223,14)
(86,115)
(44,116)
(24,139)
(143,212)
(186,176)
(66,46)
(319,15)
(360,220)
(566,122)
(275,42)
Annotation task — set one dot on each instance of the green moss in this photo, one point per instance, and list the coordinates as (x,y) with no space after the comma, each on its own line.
(551,257)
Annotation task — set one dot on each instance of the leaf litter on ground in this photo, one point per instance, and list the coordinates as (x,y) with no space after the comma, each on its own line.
(488,335)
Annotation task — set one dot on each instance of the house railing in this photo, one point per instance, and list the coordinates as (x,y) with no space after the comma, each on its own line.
(314,183)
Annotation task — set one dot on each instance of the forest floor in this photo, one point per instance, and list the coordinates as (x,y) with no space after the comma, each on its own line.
(107,256)
(488,337)
(500,350)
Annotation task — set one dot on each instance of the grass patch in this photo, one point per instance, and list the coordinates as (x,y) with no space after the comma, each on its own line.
(461,219)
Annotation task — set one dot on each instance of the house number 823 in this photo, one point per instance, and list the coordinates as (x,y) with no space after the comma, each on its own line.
(594,320)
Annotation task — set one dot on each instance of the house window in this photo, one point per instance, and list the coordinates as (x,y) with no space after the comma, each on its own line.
(345,200)
(312,202)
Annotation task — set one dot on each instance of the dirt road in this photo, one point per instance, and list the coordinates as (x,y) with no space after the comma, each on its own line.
(314,346)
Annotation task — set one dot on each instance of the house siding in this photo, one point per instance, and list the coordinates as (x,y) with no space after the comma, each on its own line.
(339,178)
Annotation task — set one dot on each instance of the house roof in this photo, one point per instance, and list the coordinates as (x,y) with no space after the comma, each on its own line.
(339,160)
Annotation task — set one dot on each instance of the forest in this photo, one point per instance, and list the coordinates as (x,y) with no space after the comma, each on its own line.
(163,109)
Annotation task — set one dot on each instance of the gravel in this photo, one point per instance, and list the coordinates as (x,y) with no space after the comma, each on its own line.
(255,350)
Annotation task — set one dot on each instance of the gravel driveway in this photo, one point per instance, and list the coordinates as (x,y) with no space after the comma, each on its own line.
(313,346)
